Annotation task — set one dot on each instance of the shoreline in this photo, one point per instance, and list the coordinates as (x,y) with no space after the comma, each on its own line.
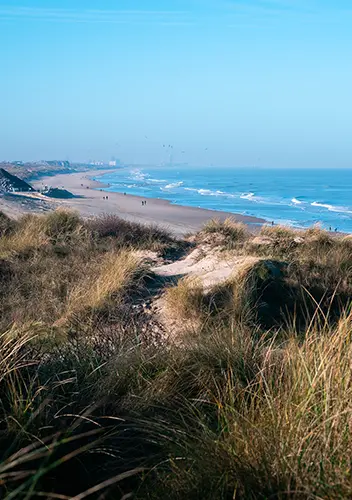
(91,200)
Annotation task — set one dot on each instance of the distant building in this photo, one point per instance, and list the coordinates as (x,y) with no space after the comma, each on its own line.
(112,163)
(97,163)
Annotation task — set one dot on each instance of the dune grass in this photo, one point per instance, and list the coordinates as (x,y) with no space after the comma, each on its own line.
(252,405)
(228,414)
(185,300)
(104,281)
(57,265)
(228,233)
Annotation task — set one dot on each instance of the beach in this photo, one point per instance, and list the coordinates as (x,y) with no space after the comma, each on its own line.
(89,201)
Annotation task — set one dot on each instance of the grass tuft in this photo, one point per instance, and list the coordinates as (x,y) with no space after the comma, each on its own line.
(186,299)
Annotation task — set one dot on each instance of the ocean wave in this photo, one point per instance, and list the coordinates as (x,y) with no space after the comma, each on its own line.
(138,175)
(157,181)
(264,200)
(174,185)
(296,202)
(209,192)
(248,196)
(331,208)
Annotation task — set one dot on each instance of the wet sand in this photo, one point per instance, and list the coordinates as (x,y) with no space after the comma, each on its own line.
(90,202)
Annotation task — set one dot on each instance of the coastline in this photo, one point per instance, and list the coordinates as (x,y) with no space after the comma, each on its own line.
(92,200)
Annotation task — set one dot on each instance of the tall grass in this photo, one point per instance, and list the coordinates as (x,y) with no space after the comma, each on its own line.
(235,410)
(185,300)
(230,233)
(55,265)
(114,274)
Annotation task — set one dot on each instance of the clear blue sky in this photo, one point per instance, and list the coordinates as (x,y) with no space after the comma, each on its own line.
(263,82)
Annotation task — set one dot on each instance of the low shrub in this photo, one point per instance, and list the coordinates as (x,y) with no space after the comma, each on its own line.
(125,233)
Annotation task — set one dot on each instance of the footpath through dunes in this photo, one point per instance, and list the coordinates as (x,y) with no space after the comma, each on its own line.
(201,272)
(271,279)
(136,364)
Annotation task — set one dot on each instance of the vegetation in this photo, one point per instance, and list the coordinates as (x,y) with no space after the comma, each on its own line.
(256,403)
(229,233)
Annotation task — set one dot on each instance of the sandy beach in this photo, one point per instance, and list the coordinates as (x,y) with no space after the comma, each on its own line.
(90,201)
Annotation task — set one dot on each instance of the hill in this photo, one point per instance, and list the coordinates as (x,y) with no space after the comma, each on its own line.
(58,193)
(31,170)
(11,183)
(137,365)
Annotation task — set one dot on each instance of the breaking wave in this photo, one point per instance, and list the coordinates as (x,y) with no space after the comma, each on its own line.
(174,185)
(331,208)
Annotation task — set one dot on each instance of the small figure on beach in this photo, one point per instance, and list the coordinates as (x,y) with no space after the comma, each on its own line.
(107,197)
(272,223)
(335,229)
(103,197)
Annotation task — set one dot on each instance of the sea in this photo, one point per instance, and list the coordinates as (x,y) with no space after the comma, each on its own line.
(294,197)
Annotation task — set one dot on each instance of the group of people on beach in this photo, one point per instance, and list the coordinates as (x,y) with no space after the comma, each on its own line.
(144,202)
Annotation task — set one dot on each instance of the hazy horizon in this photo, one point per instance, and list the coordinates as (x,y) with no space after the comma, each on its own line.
(260,83)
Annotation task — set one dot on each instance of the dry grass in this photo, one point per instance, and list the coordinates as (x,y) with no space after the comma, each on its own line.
(6,224)
(237,411)
(56,265)
(186,299)
(28,235)
(284,417)
(278,232)
(105,280)
(131,234)
(230,233)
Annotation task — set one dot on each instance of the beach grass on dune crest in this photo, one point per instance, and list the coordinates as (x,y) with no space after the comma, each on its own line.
(256,402)
(230,232)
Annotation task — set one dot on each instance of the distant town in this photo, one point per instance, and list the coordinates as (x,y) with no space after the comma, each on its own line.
(31,170)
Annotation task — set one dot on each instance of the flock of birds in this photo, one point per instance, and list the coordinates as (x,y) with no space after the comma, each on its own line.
(168,147)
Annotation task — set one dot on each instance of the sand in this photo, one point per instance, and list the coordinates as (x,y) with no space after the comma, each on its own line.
(89,202)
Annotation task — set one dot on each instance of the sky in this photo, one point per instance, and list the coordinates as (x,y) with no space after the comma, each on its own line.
(225,82)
